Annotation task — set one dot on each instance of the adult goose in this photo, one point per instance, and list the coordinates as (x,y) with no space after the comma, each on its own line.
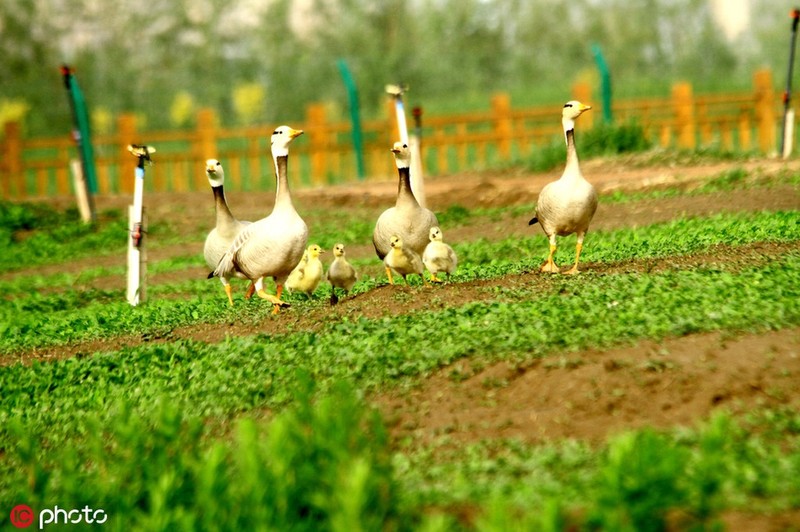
(226,229)
(567,205)
(407,219)
(271,246)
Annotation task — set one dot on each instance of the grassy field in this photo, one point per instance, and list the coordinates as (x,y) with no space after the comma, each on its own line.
(185,414)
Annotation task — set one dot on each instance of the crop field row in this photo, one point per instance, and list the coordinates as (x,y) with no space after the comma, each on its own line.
(184,413)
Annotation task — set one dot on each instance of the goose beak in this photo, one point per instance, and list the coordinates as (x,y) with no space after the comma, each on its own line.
(394,150)
(585,107)
(295,133)
(210,169)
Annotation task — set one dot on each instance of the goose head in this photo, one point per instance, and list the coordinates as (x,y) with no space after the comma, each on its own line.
(338,250)
(215,173)
(402,155)
(396,242)
(281,137)
(572,110)
(435,234)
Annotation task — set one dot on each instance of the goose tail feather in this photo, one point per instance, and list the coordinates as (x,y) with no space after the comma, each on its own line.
(225,265)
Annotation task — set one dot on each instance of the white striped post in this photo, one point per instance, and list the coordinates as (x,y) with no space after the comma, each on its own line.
(417,180)
(137,256)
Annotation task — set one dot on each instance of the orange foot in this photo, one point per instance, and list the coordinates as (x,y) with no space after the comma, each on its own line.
(273,299)
(550,267)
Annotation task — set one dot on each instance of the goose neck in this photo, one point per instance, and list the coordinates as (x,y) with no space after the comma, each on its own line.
(572,167)
(220,205)
(282,195)
(404,192)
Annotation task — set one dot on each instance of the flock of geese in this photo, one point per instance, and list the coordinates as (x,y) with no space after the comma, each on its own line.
(407,237)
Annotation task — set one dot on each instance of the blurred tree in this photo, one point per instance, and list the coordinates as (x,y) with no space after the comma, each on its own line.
(470,50)
(102,120)
(134,59)
(26,36)
(181,112)
(248,103)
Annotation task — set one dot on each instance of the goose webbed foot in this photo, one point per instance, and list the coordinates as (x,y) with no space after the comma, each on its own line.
(278,302)
(550,267)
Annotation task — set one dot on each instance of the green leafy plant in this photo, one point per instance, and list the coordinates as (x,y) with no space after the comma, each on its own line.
(323,464)
(639,483)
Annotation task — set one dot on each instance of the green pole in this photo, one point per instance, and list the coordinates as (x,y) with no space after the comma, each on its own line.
(605,82)
(355,118)
(81,132)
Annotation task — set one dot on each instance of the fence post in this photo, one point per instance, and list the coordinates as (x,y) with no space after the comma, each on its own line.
(683,106)
(582,92)
(503,128)
(126,128)
(765,110)
(205,145)
(318,142)
(12,157)
(392,126)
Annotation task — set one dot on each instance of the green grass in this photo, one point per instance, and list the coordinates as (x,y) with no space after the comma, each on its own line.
(43,318)
(633,482)
(241,373)
(320,465)
(188,435)
(325,463)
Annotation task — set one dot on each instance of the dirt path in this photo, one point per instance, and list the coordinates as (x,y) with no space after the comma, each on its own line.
(593,394)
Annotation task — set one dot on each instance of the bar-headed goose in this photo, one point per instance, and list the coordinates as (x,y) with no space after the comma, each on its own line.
(406,219)
(226,229)
(271,246)
(567,205)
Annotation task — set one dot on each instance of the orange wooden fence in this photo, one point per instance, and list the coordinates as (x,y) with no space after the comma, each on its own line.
(40,167)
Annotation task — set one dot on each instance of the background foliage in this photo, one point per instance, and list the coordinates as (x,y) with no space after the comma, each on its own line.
(451,52)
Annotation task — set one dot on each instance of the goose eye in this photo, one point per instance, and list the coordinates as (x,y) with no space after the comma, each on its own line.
(567,105)
(405,145)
